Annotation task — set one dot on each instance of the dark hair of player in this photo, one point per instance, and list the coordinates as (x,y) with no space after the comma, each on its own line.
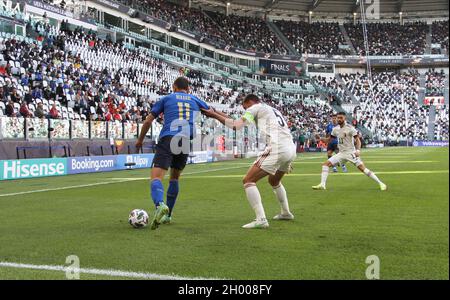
(251,97)
(341,113)
(181,83)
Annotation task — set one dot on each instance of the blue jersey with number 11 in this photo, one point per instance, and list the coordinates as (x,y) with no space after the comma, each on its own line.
(178,108)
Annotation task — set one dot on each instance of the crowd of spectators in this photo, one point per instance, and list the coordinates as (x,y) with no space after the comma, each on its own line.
(236,31)
(390,38)
(440,36)
(435,83)
(441,131)
(79,73)
(315,38)
(252,33)
(333,88)
(390,108)
(75,74)
(248,33)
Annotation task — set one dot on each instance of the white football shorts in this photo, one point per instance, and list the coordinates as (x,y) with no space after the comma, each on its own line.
(271,160)
(342,158)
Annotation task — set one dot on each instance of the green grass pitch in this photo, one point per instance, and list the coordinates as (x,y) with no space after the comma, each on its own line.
(47,219)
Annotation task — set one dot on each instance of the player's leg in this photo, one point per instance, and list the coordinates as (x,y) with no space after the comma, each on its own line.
(326,170)
(254,174)
(178,164)
(360,165)
(156,185)
(172,194)
(161,163)
(157,193)
(284,166)
(280,193)
(342,163)
(330,150)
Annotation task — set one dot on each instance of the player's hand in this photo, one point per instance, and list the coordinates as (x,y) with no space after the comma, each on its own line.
(317,137)
(139,145)
(208,112)
(357,153)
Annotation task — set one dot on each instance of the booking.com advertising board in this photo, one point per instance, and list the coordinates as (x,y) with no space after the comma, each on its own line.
(32,168)
(45,167)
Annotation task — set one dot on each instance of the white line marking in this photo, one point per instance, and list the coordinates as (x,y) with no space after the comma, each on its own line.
(106,272)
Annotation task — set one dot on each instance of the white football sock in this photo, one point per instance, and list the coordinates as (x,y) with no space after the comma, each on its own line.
(254,198)
(280,192)
(372,175)
(325,171)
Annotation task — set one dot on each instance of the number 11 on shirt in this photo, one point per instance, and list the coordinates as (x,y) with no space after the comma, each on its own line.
(184,108)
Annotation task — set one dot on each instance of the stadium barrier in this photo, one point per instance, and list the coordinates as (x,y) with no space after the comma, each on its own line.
(379,145)
(430,144)
(46,167)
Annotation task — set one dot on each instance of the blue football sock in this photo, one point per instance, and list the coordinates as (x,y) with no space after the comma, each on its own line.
(172,193)
(157,191)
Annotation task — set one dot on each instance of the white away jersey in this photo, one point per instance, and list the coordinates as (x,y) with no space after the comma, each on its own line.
(345,136)
(271,123)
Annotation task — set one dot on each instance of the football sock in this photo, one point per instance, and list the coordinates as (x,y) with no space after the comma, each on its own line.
(172,193)
(254,198)
(372,175)
(280,192)
(157,191)
(325,171)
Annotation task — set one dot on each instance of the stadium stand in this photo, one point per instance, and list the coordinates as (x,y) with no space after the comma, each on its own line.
(315,38)
(440,36)
(248,33)
(389,108)
(390,38)
(73,74)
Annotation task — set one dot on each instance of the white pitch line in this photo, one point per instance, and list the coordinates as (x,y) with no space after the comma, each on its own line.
(114,180)
(106,272)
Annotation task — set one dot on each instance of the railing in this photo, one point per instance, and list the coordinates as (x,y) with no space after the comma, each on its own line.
(35,129)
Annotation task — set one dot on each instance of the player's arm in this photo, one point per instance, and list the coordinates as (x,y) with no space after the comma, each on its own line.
(145,128)
(357,145)
(326,140)
(225,119)
(222,114)
(156,111)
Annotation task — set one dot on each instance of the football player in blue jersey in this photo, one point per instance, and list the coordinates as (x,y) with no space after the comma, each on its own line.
(172,150)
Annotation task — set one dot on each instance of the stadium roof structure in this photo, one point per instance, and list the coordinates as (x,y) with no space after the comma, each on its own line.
(336,6)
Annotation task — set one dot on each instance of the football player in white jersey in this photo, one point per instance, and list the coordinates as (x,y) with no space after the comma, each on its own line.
(349,145)
(274,162)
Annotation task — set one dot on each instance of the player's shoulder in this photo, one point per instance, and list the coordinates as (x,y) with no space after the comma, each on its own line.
(350,128)
(166,98)
(256,107)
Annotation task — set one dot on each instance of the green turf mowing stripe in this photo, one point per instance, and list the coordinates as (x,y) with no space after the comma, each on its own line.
(338,174)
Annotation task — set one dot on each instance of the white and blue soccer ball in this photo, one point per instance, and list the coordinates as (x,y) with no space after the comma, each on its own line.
(138,218)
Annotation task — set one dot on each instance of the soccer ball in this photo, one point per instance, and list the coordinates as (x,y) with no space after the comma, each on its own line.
(138,218)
